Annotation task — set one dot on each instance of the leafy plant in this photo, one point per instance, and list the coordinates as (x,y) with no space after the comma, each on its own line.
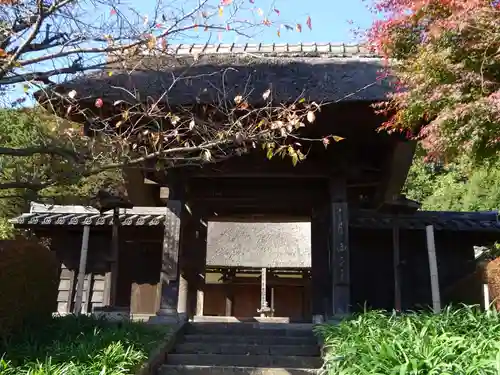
(80,346)
(456,341)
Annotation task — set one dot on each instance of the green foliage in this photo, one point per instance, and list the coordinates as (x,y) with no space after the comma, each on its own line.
(36,128)
(458,186)
(456,341)
(29,278)
(80,346)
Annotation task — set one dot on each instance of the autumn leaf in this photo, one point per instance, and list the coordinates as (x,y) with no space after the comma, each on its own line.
(226,2)
(221,11)
(277,11)
(336,138)
(308,22)
(98,103)
(267,22)
(278,32)
(311,116)
(151,44)
(112,12)
(299,27)
(266,94)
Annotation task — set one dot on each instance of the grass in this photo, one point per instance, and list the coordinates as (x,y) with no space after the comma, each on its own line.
(79,346)
(461,341)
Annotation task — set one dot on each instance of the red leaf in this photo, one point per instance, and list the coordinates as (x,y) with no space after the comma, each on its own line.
(299,27)
(308,23)
(226,2)
(98,103)
(112,12)
(277,11)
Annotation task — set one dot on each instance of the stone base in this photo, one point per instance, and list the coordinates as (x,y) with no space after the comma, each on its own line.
(163,318)
(111,314)
(234,319)
(318,319)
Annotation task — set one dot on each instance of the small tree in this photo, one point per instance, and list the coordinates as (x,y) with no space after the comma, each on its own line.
(44,42)
(445,56)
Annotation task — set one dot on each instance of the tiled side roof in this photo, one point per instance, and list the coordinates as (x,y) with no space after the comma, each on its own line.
(454,221)
(282,49)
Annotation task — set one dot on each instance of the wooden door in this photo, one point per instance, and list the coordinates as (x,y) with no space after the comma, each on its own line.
(246,300)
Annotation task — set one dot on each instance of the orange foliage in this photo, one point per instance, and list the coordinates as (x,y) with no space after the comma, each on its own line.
(493,278)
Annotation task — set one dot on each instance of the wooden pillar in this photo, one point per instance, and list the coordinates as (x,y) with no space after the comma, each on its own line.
(341,295)
(81,270)
(192,262)
(169,277)
(396,265)
(115,257)
(200,262)
(320,259)
(229,300)
(433,269)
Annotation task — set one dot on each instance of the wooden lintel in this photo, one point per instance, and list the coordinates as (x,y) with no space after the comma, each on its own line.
(397,167)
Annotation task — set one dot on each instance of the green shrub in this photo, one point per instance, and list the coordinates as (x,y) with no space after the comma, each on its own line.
(29,276)
(455,342)
(80,346)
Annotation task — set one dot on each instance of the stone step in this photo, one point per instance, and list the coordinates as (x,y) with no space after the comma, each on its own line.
(246,349)
(251,340)
(232,370)
(254,329)
(244,360)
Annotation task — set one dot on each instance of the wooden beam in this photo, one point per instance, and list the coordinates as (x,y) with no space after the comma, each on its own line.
(397,168)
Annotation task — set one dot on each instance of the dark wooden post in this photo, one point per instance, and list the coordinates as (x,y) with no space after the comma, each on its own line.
(169,277)
(320,285)
(229,299)
(396,265)
(192,261)
(200,263)
(115,255)
(340,246)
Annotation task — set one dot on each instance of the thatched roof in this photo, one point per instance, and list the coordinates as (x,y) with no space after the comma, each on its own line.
(211,73)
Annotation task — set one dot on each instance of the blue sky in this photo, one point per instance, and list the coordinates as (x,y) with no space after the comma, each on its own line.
(332,21)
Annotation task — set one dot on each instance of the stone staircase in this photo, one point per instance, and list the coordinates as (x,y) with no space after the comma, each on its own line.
(244,349)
